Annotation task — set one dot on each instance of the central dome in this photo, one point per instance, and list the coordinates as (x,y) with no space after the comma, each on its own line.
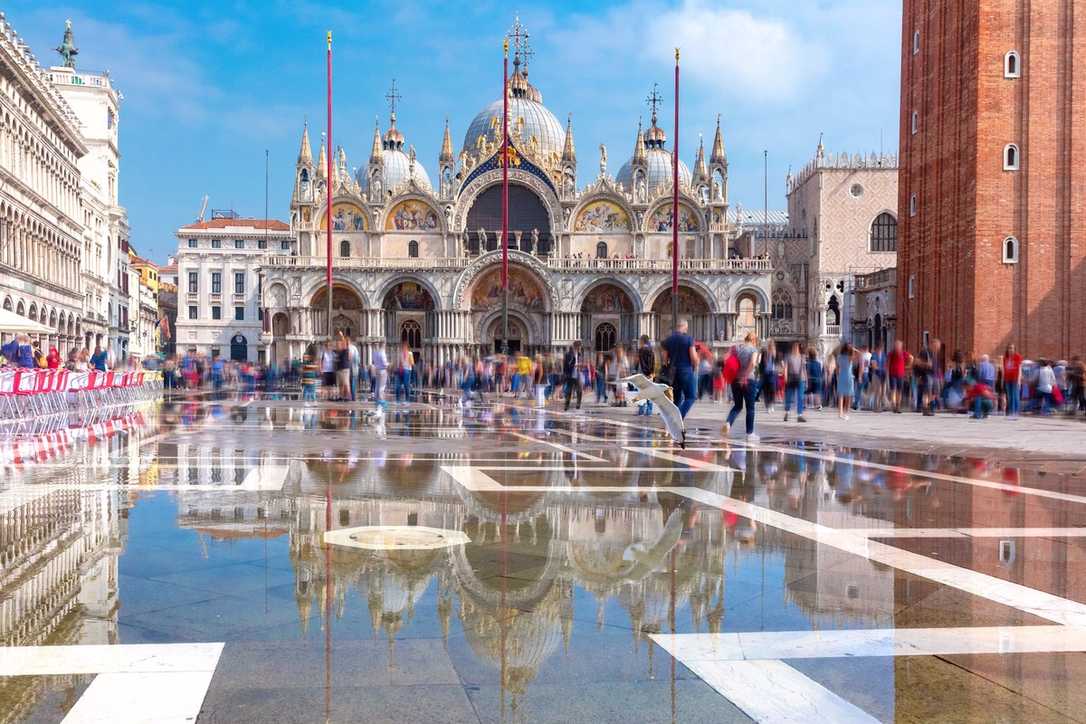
(526,115)
(657,172)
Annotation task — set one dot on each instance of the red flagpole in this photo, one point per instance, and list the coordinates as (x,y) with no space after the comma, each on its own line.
(505,196)
(329,188)
(675,206)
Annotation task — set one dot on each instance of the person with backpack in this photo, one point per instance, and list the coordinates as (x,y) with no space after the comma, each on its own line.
(646,365)
(744,385)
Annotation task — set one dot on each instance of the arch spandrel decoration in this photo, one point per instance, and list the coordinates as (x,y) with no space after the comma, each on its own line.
(686,285)
(660,218)
(467,277)
(608,297)
(413,214)
(347,216)
(317,285)
(408,294)
(526,291)
(470,192)
(602,215)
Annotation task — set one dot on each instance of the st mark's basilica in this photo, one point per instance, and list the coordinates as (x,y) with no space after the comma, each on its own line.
(419,261)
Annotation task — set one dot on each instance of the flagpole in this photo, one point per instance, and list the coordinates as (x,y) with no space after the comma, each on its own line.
(505,197)
(329,191)
(675,207)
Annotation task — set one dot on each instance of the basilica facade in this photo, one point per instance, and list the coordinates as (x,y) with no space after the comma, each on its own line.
(418,260)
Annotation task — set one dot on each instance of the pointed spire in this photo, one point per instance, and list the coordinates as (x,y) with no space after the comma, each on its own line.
(305,153)
(446,146)
(718,155)
(322,161)
(639,145)
(375,150)
(569,155)
(700,170)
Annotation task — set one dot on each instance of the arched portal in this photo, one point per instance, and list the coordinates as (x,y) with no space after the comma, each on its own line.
(746,318)
(605,337)
(239,348)
(346,310)
(529,222)
(520,339)
(693,307)
(280,329)
(610,304)
(409,309)
(528,301)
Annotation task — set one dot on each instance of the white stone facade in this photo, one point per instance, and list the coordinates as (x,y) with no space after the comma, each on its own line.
(110,300)
(842,213)
(218,267)
(41,224)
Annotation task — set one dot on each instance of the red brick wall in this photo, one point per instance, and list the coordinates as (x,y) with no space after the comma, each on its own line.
(968,204)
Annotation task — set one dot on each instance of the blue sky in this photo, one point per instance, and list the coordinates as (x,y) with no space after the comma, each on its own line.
(208,86)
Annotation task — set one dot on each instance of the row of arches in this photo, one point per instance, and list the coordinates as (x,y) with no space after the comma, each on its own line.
(47,168)
(31,246)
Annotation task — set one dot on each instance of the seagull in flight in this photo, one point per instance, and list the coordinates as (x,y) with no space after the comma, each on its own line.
(657,394)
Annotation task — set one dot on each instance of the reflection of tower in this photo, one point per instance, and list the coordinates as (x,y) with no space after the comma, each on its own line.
(58,581)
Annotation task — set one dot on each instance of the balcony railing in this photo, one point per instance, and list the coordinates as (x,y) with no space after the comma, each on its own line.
(565,264)
(882,277)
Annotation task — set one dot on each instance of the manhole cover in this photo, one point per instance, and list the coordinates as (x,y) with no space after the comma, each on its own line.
(396,537)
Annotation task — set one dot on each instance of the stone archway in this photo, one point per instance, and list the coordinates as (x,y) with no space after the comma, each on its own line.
(409,315)
(608,304)
(347,310)
(528,300)
(693,307)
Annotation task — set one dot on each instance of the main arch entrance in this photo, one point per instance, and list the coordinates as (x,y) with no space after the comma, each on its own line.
(529,222)
(528,303)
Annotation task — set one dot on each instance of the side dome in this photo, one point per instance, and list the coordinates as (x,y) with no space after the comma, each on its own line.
(657,172)
(399,168)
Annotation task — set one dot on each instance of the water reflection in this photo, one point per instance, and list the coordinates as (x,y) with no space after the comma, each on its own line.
(549,576)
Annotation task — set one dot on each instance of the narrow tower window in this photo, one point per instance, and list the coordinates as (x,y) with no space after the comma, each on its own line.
(1010,250)
(1010,157)
(916,42)
(1012,65)
(912,204)
(915,122)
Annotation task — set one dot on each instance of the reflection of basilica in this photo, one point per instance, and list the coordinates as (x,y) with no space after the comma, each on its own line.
(396,235)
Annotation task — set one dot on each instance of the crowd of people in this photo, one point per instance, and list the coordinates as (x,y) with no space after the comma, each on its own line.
(22,352)
(793,377)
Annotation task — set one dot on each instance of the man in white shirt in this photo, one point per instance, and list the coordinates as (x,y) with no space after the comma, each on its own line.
(380,370)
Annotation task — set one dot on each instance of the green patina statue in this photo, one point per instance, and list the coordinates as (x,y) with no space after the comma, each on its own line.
(67,48)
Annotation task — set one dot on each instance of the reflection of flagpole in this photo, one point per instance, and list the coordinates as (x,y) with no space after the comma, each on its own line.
(505,196)
(675,206)
(329,190)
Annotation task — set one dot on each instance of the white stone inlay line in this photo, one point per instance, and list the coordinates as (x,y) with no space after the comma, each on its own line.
(682,459)
(135,682)
(773,645)
(927,474)
(773,691)
(472,478)
(558,446)
(967,532)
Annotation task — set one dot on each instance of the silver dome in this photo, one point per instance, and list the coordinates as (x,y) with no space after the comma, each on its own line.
(538,122)
(396,171)
(658,171)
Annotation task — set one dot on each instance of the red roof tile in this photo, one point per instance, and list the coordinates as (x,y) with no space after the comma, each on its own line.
(270,224)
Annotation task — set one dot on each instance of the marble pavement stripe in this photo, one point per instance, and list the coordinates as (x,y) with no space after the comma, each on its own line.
(682,459)
(265,477)
(773,691)
(472,478)
(967,532)
(773,645)
(1030,600)
(927,474)
(108,659)
(557,446)
(138,698)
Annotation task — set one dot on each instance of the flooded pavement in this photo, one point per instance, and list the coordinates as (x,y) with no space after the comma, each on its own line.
(255,559)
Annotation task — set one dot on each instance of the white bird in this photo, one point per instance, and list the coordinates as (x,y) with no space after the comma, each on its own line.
(656,393)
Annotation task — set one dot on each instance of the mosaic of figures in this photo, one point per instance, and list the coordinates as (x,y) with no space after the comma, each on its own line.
(607,299)
(412,215)
(524,290)
(690,302)
(602,216)
(409,296)
(346,217)
(661,219)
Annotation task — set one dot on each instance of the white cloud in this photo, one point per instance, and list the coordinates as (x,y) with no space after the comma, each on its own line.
(733,51)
